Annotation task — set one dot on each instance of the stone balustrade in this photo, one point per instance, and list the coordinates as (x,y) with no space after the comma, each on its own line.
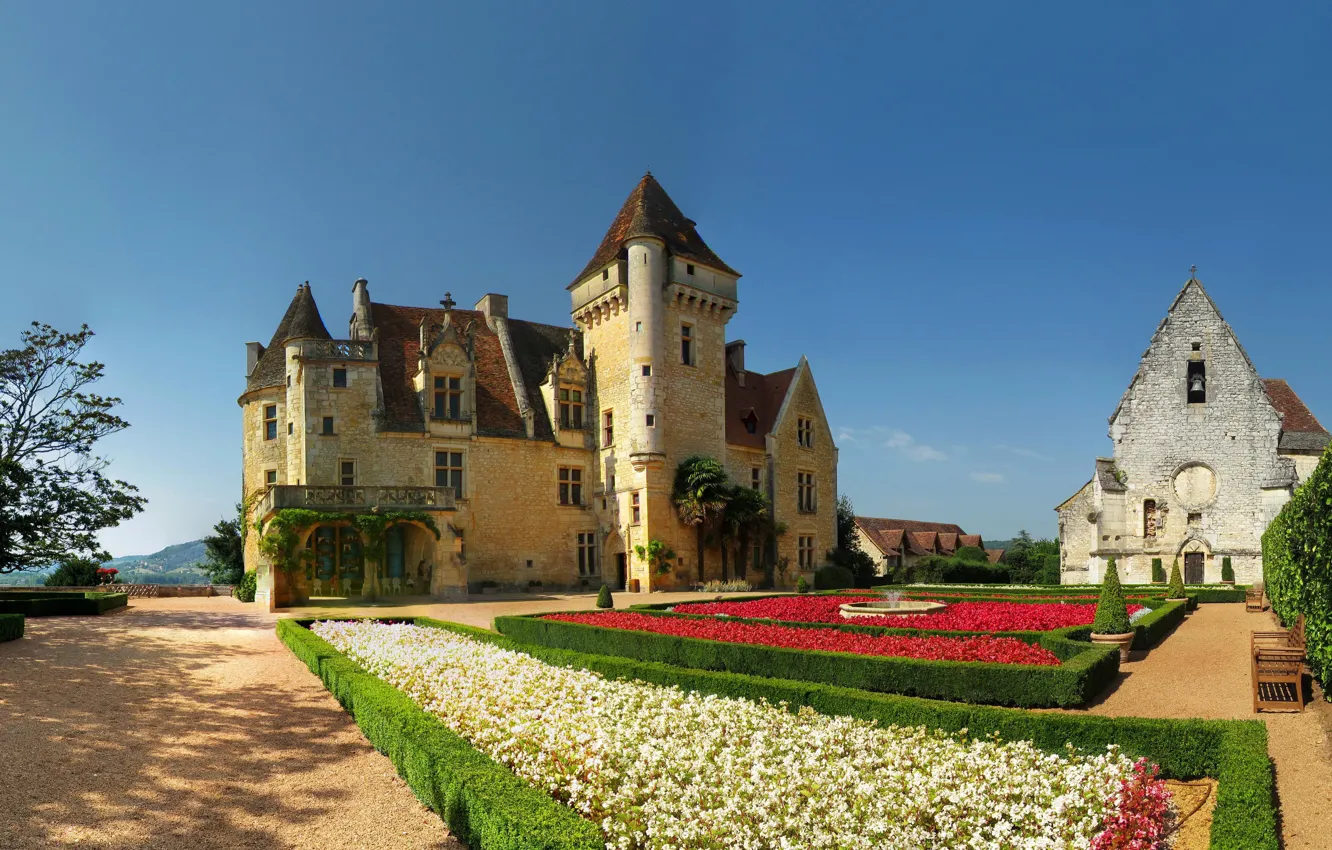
(355,499)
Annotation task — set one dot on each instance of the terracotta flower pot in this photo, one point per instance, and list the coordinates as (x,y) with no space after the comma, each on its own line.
(1123,641)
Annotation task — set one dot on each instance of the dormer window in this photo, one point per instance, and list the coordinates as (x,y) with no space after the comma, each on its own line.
(571,408)
(1196,382)
(689,268)
(751,423)
(448,398)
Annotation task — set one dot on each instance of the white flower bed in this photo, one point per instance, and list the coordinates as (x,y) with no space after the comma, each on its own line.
(659,767)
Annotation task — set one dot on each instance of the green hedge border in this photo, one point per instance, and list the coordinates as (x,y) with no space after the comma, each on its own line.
(482,801)
(1233,752)
(57,604)
(1205,594)
(11,627)
(1085,671)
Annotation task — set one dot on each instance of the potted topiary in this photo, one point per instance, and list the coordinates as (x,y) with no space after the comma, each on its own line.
(1175,592)
(604,597)
(1158,572)
(1227,571)
(1112,625)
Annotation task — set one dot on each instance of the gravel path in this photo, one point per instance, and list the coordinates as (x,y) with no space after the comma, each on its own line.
(1202,670)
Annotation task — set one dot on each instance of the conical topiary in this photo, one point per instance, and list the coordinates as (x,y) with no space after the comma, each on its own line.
(1158,572)
(1176,588)
(1111,613)
(604,597)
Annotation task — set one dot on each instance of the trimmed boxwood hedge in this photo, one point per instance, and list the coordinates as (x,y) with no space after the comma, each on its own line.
(1233,752)
(57,603)
(11,627)
(1085,670)
(482,801)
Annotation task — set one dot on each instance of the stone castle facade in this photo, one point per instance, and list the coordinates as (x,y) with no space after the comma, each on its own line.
(1205,454)
(545,454)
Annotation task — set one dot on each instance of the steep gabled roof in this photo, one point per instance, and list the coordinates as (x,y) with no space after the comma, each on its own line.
(909,536)
(971,540)
(301,321)
(1300,429)
(649,211)
(760,398)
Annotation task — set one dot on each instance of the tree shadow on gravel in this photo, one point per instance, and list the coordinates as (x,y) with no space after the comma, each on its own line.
(117,735)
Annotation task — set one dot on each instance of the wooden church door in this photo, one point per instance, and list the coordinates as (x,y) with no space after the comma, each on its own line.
(1193,567)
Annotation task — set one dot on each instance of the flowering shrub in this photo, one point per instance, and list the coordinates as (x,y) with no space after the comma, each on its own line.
(958,616)
(995,650)
(107,575)
(657,767)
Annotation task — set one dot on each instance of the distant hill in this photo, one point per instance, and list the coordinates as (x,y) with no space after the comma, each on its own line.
(165,560)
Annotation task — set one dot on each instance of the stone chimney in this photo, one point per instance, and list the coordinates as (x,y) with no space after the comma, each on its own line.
(735,358)
(253,351)
(493,306)
(362,323)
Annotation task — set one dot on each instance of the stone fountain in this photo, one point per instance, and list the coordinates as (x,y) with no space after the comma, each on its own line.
(891,605)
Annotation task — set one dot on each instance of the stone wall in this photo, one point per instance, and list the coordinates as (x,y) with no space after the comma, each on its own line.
(788,459)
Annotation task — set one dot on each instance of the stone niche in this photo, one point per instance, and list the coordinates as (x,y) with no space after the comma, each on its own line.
(1195,484)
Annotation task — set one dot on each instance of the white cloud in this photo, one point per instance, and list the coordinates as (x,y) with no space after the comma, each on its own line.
(891,438)
(988,477)
(1021,452)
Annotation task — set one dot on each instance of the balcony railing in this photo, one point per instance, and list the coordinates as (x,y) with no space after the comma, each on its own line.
(355,499)
(338,349)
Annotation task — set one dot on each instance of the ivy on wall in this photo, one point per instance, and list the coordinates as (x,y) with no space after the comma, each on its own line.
(281,536)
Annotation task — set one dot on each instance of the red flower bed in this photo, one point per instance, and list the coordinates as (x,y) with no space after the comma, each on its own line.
(988,649)
(958,616)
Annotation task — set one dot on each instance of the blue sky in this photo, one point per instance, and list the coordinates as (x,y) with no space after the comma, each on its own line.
(969,217)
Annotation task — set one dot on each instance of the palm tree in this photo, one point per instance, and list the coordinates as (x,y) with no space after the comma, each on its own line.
(699,495)
(745,518)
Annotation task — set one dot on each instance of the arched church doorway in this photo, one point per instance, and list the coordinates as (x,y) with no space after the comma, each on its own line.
(1194,553)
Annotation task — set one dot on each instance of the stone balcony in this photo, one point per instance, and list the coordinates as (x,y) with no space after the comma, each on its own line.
(357,499)
(340,350)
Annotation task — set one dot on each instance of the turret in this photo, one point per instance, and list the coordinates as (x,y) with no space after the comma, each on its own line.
(645,257)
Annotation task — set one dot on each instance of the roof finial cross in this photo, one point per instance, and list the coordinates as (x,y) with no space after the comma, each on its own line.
(448,303)
(1193,272)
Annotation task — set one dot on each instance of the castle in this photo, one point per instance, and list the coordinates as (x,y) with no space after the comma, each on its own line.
(1205,454)
(545,455)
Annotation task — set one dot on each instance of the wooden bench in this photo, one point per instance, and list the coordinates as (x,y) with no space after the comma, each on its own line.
(1278,669)
(1253,599)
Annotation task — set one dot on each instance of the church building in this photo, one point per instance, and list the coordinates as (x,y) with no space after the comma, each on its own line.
(1205,454)
(545,454)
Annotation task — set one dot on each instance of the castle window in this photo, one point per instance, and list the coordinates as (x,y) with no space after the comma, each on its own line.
(347,473)
(340,378)
(571,408)
(647,371)
(651,421)
(270,476)
(612,482)
(328,426)
(587,554)
(689,268)
(605,273)
(805,432)
(755,477)
(1197,346)
(805,551)
(270,421)
(635,512)
(687,345)
(1149,518)
(607,429)
(805,493)
(1195,520)
(449,471)
(291,428)
(448,397)
(1196,382)
(571,485)
(751,423)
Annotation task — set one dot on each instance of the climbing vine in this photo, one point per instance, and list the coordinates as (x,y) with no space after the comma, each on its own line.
(658,554)
(280,537)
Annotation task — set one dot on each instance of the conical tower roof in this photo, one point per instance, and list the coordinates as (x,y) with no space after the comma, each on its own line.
(301,321)
(649,211)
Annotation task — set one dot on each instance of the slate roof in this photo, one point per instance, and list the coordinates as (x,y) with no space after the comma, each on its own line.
(498,413)
(301,321)
(1300,430)
(761,397)
(649,211)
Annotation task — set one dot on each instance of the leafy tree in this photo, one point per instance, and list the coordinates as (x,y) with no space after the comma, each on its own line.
(1029,560)
(75,572)
(699,494)
(1111,613)
(745,519)
(973,554)
(54,497)
(848,554)
(225,551)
